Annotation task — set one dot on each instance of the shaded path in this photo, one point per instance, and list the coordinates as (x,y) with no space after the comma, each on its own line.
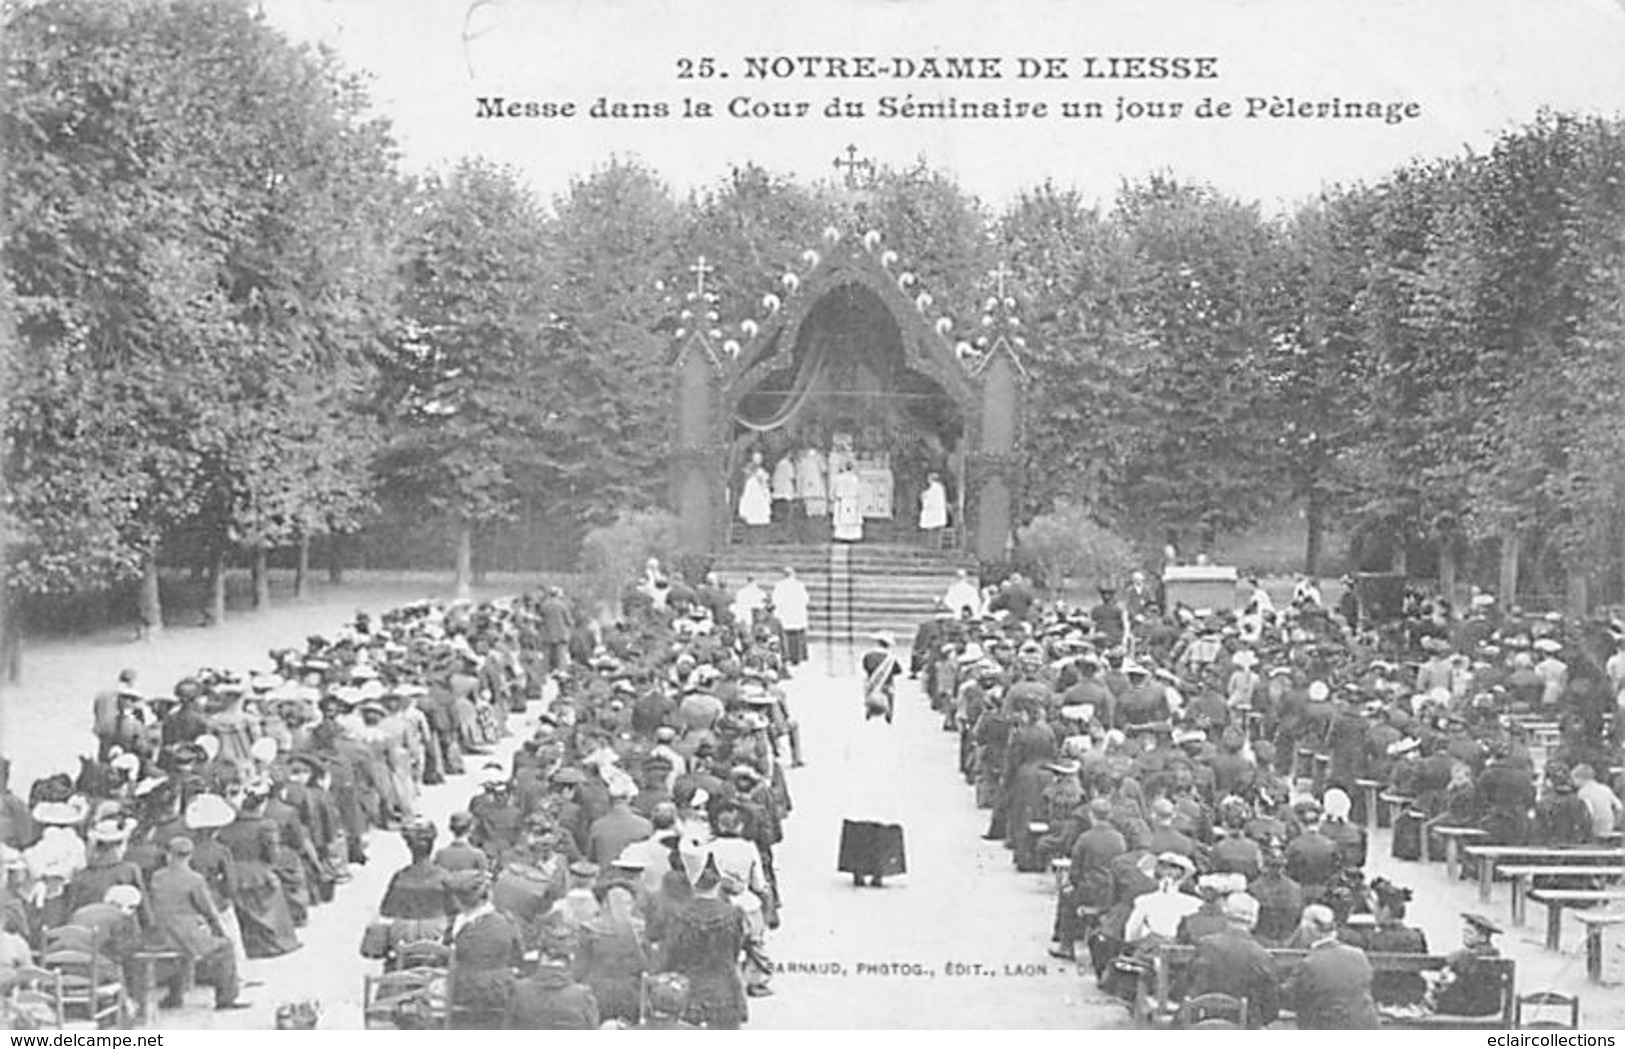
(962,903)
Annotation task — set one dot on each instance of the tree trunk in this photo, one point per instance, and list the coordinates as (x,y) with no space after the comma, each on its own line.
(463,583)
(1401,564)
(215,613)
(150,602)
(1579,591)
(11,647)
(1447,572)
(1314,515)
(479,560)
(262,579)
(335,558)
(1511,552)
(301,571)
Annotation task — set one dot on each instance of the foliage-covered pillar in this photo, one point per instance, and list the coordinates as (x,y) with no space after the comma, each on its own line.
(1511,549)
(995,466)
(694,492)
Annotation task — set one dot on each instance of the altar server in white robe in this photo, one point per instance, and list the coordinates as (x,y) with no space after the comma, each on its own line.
(755,498)
(790,604)
(812,482)
(847,492)
(934,507)
(784,487)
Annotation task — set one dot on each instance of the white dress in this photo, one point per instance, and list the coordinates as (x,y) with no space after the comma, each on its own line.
(811,483)
(755,500)
(934,506)
(848,494)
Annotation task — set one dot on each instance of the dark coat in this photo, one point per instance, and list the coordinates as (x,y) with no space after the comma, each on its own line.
(184,912)
(1232,962)
(1332,990)
(551,1001)
(557,621)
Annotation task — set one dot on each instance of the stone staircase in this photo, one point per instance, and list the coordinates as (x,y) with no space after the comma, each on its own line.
(855,590)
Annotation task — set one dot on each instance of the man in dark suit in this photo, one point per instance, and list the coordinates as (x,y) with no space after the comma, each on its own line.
(557,624)
(1232,962)
(1332,989)
(184,912)
(1089,880)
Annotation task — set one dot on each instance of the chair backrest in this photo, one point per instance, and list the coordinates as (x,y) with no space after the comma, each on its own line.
(35,996)
(70,938)
(1549,1002)
(425,954)
(1210,1010)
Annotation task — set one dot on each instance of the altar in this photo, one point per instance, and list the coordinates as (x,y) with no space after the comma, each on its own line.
(876,478)
(845,382)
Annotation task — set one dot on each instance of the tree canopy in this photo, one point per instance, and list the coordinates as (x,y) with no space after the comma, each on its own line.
(239,325)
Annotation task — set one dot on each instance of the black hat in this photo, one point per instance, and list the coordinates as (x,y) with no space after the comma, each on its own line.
(1481,923)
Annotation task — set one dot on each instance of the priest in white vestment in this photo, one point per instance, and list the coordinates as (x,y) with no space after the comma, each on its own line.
(783,487)
(755,498)
(847,492)
(812,482)
(934,507)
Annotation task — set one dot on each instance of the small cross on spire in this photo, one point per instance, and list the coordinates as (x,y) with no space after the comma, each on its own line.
(1001,275)
(700,269)
(854,164)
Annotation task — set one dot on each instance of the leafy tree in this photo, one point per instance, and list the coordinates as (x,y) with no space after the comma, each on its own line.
(1308,367)
(1067,543)
(460,370)
(193,238)
(614,242)
(1201,301)
(1072,271)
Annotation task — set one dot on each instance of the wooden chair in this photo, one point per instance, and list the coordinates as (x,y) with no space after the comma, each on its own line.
(1547,1000)
(1212,1012)
(89,986)
(415,994)
(34,997)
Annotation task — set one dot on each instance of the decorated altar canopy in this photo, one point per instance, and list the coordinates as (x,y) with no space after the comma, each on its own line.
(849,346)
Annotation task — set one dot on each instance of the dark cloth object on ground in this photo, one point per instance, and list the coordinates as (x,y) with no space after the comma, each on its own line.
(871,849)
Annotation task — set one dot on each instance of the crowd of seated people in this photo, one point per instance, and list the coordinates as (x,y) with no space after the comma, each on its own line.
(620,864)
(1200,774)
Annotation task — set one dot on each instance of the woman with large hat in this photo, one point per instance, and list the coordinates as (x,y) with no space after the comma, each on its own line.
(58,855)
(254,842)
(105,864)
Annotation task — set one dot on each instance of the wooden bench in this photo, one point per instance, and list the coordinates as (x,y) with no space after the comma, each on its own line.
(1523,876)
(1557,899)
(1595,923)
(1453,837)
(1369,791)
(1487,856)
(1154,1001)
